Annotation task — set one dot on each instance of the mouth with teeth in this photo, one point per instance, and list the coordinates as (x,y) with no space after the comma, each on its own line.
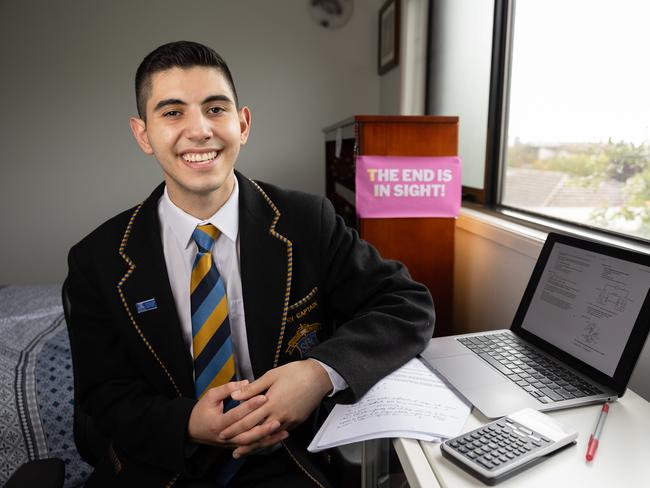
(200,158)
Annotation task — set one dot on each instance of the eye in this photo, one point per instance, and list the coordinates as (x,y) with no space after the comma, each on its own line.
(171,113)
(215,110)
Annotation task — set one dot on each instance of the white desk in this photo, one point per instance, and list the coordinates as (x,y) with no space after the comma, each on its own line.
(622,459)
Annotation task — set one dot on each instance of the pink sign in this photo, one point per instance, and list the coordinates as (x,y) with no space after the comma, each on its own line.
(396,186)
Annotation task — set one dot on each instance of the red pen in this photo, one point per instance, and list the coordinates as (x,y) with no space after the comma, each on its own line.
(593,439)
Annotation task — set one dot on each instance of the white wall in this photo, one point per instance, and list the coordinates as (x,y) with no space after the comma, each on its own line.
(459,84)
(492,264)
(68,160)
(402,90)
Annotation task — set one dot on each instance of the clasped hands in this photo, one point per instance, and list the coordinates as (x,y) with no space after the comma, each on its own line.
(269,408)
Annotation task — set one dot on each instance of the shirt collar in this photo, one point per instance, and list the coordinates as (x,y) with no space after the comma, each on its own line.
(182,224)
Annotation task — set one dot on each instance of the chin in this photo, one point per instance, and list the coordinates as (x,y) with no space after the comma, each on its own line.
(208,187)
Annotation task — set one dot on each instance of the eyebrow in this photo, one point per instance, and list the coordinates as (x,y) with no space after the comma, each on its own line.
(178,101)
(216,98)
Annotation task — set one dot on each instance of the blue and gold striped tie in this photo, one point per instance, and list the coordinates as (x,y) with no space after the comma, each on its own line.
(214,362)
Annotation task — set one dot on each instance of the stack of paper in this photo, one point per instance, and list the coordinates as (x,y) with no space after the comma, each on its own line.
(410,402)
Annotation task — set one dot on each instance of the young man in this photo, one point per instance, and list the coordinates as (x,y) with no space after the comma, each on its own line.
(215,278)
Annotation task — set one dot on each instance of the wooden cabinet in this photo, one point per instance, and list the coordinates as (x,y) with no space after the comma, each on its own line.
(424,245)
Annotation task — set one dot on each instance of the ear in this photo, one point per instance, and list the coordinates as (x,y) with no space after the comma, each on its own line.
(244,124)
(139,129)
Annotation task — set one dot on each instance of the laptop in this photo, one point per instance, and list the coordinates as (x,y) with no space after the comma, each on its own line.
(575,338)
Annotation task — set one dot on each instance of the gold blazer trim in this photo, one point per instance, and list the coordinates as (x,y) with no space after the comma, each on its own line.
(117,464)
(132,266)
(302,301)
(304,470)
(289,244)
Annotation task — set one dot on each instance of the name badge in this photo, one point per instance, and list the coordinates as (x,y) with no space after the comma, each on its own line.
(146,306)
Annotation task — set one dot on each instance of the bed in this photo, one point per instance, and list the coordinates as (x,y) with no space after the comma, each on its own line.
(36,383)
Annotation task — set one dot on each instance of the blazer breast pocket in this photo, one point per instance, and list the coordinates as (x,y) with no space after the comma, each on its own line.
(304,326)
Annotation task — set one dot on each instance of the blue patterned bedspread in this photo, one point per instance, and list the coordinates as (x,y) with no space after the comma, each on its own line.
(36,385)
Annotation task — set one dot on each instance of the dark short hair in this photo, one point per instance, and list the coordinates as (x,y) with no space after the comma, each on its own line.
(179,54)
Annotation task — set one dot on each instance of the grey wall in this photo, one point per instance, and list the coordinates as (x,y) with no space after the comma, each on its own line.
(390,89)
(68,160)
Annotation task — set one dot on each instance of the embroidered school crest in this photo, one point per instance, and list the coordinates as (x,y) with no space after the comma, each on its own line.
(304,339)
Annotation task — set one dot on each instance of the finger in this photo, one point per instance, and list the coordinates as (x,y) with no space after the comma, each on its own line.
(220,393)
(242,410)
(255,388)
(272,439)
(266,442)
(255,434)
(253,418)
(269,441)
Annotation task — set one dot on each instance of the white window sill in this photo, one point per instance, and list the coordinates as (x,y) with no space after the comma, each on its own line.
(527,239)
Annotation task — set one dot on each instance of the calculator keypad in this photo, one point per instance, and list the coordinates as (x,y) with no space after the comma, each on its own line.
(498,444)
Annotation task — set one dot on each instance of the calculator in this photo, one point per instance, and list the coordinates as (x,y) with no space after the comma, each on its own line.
(505,447)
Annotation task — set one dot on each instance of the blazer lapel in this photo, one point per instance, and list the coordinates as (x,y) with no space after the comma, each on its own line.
(158,329)
(265,259)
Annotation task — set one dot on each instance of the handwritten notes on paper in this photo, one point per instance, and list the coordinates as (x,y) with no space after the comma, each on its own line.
(410,402)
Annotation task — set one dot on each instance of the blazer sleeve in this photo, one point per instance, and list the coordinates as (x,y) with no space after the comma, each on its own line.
(383,318)
(142,422)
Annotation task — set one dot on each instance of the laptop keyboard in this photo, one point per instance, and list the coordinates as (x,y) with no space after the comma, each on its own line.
(535,373)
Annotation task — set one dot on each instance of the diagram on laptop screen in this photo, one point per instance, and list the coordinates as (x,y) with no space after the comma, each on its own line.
(587,303)
(590,334)
(613,296)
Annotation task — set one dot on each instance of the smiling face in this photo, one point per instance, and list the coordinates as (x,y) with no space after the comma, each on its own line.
(195,131)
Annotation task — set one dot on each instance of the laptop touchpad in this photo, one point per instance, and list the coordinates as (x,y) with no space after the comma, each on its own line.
(467,371)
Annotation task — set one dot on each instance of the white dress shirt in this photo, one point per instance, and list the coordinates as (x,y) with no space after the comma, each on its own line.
(180,251)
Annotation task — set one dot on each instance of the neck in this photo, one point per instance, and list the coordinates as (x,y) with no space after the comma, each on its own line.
(202,205)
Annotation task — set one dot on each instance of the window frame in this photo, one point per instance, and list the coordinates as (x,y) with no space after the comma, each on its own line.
(489,198)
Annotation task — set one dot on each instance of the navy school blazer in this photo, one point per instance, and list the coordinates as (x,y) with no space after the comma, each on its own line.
(311,287)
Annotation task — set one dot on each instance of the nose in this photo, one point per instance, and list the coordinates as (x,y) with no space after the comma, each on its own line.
(198,126)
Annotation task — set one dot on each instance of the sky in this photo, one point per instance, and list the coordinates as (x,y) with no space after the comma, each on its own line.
(580,71)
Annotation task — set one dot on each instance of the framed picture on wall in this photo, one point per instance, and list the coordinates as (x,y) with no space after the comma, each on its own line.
(388,36)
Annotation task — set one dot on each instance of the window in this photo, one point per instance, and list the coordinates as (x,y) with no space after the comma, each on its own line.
(576,130)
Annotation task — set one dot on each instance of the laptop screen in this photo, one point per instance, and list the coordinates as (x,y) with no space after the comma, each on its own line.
(587,304)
